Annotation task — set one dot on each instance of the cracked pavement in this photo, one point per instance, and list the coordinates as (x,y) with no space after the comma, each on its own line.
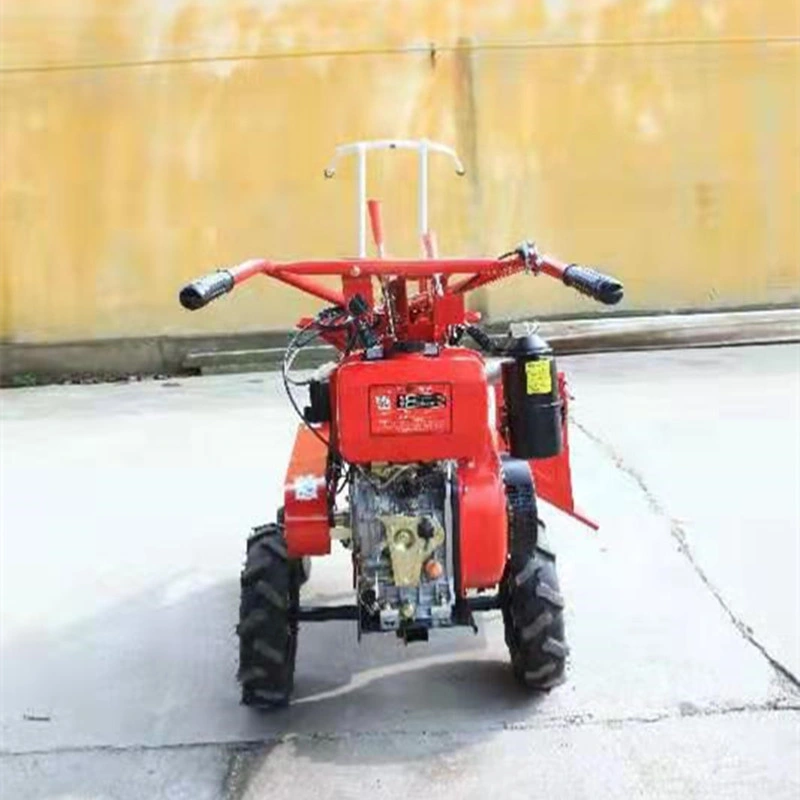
(123,511)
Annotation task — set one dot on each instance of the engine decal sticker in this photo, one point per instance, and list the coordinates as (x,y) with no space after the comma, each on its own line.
(416,408)
(537,377)
(306,487)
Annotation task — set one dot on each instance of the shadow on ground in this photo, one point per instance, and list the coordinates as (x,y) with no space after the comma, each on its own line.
(159,670)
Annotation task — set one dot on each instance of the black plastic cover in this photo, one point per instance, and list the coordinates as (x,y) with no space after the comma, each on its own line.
(201,292)
(533,404)
(596,285)
(319,396)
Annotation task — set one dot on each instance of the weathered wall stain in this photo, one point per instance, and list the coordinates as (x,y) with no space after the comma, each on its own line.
(466,116)
(143,143)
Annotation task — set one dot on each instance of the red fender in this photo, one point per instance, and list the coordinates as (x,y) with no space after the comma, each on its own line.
(305,496)
(482,522)
(553,476)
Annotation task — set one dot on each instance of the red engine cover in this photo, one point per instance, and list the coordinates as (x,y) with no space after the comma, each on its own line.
(411,407)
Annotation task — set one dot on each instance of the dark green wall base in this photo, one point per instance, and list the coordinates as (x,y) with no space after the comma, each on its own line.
(24,364)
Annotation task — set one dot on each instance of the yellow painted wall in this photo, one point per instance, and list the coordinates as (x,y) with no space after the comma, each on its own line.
(143,142)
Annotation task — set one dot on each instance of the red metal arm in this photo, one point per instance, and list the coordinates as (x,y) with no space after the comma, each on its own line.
(359,267)
(545,264)
(356,273)
(481,270)
(249,269)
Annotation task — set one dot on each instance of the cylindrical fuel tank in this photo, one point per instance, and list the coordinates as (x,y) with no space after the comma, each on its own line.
(530,389)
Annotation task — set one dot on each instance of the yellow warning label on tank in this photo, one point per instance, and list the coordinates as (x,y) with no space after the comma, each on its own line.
(538,378)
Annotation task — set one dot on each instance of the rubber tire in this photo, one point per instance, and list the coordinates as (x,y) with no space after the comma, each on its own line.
(267,630)
(534,622)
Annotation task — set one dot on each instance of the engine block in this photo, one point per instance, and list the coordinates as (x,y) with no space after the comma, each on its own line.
(402,538)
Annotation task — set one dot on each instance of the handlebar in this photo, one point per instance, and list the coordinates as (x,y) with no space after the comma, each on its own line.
(480,271)
(202,291)
(596,285)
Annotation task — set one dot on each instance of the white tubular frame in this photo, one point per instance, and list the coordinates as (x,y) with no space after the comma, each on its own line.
(360,149)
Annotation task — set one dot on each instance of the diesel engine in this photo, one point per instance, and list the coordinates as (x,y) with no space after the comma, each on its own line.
(402,539)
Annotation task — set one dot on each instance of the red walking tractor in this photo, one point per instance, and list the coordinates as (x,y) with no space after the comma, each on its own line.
(441,453)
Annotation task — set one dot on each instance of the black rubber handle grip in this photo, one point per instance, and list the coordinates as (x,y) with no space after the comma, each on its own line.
(481,338)
(586,280)
(201,292)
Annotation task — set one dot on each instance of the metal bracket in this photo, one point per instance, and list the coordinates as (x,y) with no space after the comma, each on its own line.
(422,146)
(328,613)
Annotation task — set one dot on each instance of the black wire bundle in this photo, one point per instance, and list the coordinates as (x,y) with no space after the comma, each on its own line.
(324,322)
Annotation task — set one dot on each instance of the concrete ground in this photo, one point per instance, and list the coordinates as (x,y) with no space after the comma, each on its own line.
(123,510)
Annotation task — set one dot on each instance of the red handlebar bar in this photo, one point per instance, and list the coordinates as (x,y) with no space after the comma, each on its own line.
(403,267)
(478,272)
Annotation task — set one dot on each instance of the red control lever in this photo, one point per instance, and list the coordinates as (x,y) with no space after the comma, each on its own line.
(376,223)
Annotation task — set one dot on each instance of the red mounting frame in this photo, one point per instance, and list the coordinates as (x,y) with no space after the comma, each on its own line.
(428,314)
(421,304)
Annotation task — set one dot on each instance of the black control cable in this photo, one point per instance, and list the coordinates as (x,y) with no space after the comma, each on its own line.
(316,327)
